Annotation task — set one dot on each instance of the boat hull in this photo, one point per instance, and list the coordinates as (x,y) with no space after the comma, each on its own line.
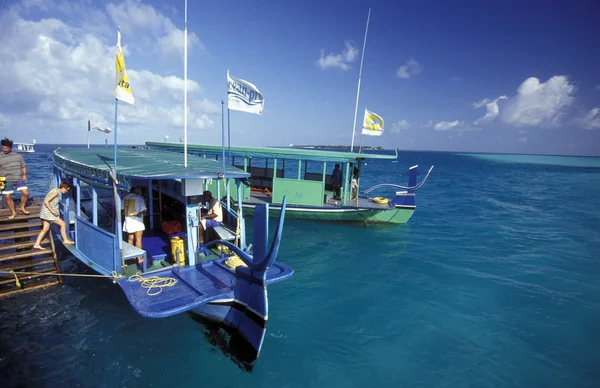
(396,215)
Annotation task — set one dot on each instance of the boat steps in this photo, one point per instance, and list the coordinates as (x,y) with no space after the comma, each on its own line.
(34,268)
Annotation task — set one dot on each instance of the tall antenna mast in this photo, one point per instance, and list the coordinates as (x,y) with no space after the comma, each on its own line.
(185,109)
(362,56)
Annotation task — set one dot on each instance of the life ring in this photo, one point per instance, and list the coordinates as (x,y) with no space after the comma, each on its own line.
(381,200)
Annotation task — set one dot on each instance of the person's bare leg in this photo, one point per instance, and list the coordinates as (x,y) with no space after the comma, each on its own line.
(138,242)
(63,232)
(138,238)
(42,234)
(200,233)
(11,206)
(24,197)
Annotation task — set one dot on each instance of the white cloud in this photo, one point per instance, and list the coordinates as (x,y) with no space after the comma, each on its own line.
(592,119)
(538,103)
(492,110)
(400,126)
(522,139)
(411,67)
(132,16)
(341,60)
(55,76)
(446,125)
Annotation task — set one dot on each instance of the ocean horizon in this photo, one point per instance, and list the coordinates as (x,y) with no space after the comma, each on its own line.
(492,283)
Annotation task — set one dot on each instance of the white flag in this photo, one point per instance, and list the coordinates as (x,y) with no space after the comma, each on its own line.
(244,96)
(372,124)
(122,89)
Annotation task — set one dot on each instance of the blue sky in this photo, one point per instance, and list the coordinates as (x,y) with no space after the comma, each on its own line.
(475,76)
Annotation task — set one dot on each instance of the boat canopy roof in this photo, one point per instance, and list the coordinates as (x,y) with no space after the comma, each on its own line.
(273,152)
(132,163)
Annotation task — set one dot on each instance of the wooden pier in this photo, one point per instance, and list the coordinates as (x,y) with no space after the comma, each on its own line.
(17,237)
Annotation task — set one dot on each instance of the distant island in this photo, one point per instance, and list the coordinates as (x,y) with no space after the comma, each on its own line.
(377,148)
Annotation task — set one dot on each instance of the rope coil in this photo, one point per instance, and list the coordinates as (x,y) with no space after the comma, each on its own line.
(153,283)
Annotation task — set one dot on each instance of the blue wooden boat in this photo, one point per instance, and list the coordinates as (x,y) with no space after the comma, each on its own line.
(303,176)
(224,280)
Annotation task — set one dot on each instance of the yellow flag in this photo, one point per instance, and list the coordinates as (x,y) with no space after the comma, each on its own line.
(122,88)
(373,124)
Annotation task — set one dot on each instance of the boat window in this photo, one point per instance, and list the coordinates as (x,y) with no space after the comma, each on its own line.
(312,169)
(291,169)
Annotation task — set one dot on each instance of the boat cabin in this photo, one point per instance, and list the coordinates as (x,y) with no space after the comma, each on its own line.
(173,197)
(303,175)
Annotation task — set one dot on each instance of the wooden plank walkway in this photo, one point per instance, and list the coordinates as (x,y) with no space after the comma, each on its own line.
(17,237)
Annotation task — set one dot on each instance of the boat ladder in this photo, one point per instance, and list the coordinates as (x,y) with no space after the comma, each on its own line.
(17,237)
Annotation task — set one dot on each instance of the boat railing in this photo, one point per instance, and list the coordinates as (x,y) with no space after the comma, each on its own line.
(98,246)
(299,192)
(317,176)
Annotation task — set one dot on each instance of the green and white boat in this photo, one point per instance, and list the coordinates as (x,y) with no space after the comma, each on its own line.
(302,176)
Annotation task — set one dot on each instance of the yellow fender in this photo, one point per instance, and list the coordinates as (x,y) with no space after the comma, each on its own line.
(381,200)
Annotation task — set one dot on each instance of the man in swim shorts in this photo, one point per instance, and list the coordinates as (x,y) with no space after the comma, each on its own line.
(13,168)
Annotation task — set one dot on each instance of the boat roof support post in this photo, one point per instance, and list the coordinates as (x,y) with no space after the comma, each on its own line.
(218,184)
(56,177)
(227,182)
(191,211)
(94,206)
(118,231)
(299,169)
(78,196)
(240,214)
(345,189)
(151,205)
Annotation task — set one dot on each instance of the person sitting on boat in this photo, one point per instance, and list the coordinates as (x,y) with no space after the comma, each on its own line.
(336,182)
(134,208)
(49,213)
(13,168)
(214,216)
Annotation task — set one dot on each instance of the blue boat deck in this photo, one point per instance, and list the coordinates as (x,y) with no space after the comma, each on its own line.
(209,281)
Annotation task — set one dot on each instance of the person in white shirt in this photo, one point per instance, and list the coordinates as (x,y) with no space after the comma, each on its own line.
(214,216)
(134,209)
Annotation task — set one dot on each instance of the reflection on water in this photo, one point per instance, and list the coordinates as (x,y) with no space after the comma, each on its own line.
(229,341)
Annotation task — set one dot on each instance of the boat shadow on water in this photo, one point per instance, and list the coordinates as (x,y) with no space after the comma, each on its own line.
(230,342)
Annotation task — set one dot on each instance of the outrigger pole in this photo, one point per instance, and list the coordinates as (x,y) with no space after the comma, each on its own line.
(362,56)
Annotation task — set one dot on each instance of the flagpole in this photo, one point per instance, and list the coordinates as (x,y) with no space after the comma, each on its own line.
(359,78)
(89,130)
(115,138)
(223,134)
(228,133)
(185,87)
(361,136)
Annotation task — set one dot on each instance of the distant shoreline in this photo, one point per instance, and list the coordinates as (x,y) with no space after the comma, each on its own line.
(378,148)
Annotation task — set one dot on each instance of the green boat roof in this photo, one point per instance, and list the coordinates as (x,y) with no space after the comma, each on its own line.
(273,152)
(134,163)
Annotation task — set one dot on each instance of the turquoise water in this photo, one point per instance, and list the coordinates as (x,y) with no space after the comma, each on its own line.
(493,283)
